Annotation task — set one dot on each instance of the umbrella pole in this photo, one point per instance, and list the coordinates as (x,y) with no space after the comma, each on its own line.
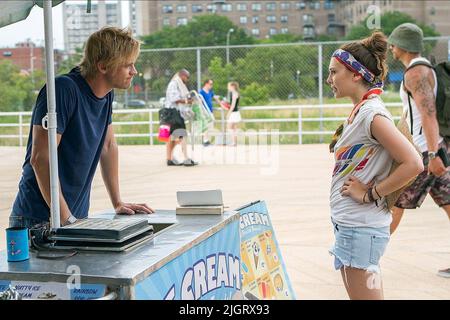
(52,121)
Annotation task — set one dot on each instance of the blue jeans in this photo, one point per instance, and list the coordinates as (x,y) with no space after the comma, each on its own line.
(22,222)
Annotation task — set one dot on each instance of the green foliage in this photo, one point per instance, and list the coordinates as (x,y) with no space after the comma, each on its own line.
(282,38)
(221,74)
(72,61)
(205,30)
(16,89)
(276,67)
(254,94)
(389,21)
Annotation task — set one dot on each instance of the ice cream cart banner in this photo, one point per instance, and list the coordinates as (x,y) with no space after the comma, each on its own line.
(263,270)
(54,290)
(207,271)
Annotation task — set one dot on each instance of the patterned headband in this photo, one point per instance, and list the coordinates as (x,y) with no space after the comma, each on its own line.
(348,60)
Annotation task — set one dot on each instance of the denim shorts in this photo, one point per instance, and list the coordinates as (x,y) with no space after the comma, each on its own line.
(359,247)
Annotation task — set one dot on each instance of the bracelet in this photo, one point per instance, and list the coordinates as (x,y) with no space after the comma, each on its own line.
(376,191)
(364,197)
(370,195)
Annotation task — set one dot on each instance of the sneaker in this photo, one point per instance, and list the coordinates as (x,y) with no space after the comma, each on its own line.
(445,273)
(189,163)
(173,163)
(206,144)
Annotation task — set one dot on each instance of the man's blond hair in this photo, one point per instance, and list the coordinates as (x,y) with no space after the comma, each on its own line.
(111,46)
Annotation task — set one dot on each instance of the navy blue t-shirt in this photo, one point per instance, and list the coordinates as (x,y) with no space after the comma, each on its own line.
(208,96)
(83,121)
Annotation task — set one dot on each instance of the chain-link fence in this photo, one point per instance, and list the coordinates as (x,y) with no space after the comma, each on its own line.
(286,84)
(268,74)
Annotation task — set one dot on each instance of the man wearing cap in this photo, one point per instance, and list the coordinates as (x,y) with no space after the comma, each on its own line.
(418,93)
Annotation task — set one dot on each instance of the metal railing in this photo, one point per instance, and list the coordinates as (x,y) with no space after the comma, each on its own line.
(152,123)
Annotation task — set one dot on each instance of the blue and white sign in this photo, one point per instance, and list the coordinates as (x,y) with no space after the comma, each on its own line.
(54,290)
(263,271)
(209,271)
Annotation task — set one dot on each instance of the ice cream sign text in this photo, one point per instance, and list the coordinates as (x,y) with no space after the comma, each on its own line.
(253,218)
(206,275)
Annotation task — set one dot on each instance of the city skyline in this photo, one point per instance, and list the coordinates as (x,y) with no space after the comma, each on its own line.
(32,27)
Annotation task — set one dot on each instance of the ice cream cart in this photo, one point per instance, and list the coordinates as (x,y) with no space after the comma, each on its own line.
(188,257)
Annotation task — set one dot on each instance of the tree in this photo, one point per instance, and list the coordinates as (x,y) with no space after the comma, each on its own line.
(389,21)
(201,31)
(282,38)
(221,74)
(287,71)
(254,94)
(72,61)
(206,30)
(16,88)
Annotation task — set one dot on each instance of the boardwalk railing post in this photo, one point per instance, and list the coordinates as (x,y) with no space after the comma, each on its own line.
(20,130)
(320,58)
(300,126)
(150,117)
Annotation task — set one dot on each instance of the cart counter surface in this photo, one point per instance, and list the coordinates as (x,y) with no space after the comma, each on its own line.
(174,236)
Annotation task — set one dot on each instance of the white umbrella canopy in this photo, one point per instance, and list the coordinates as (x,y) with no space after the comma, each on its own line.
(14,11)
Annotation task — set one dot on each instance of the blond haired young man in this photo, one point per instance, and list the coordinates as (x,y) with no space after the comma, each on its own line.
(85,134)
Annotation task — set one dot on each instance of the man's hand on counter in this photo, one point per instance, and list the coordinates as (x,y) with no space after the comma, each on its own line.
(133,208)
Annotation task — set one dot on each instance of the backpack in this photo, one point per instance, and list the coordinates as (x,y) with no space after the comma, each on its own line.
(442,71)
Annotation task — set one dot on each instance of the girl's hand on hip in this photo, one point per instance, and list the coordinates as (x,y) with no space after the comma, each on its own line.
(355,189)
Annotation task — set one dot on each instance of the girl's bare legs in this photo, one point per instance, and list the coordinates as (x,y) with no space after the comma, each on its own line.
(362,285)
(233,129)
(397,214)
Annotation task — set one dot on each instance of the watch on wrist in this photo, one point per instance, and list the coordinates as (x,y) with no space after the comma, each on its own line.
(70,220)
(432,155)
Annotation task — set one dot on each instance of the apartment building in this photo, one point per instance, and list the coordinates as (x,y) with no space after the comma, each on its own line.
(79,25)
(28,56)
(264,18)
(433,13)
(260,19)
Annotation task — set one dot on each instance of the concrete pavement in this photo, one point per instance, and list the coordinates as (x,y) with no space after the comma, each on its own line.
(294,181)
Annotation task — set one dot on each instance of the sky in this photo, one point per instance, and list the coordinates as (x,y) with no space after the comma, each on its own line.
(33,27)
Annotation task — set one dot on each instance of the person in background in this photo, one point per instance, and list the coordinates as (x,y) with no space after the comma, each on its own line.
(208,95)
(364,148)
(177,97)
(418,93)
(233,115)
(85,134)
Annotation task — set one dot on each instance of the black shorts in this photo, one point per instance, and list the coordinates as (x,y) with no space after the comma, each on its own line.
(177,126)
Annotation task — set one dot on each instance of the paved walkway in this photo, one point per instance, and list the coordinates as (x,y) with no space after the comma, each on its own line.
(294,181)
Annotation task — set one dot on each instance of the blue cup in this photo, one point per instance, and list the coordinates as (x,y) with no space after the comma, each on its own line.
(17,244)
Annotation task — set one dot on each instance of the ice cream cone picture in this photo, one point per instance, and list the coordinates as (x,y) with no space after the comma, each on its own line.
(256,252)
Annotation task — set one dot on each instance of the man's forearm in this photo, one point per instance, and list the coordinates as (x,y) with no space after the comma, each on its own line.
(42,171)
(430,128)
(109,162)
